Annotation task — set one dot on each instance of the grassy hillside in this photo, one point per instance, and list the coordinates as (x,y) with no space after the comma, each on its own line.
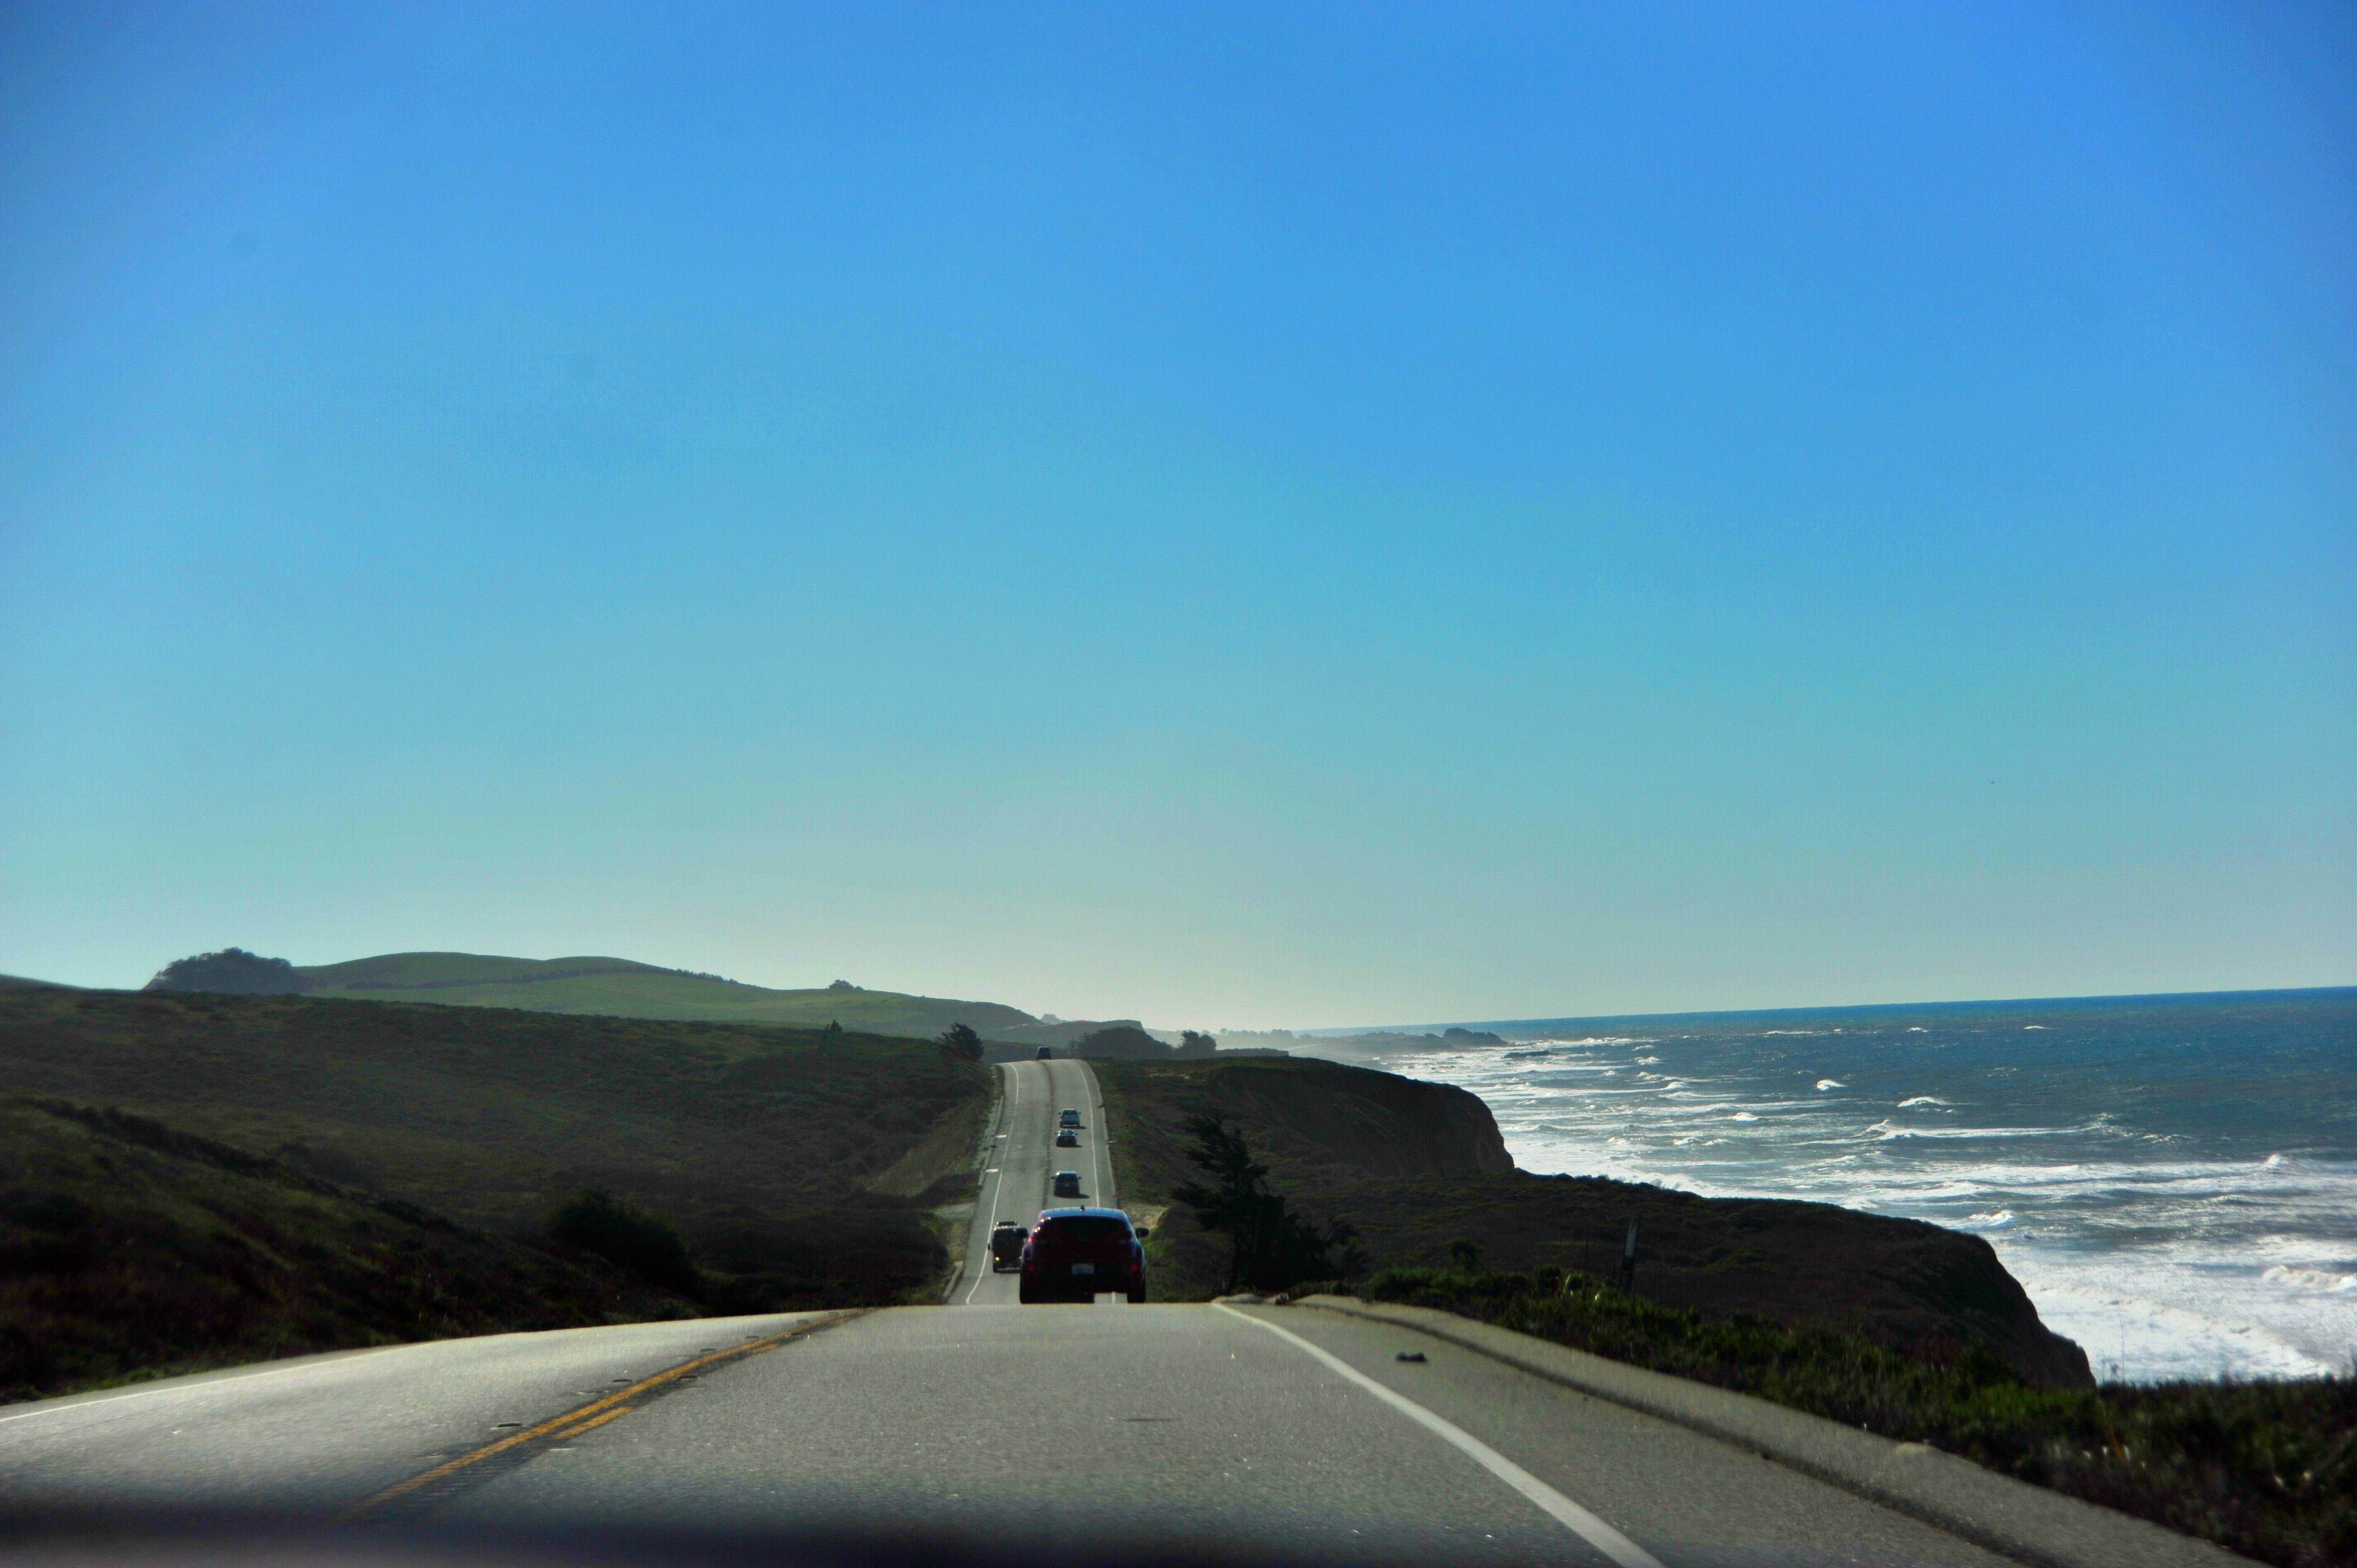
(616,987)
(127,1249)
(783,1153)
(1318,1125)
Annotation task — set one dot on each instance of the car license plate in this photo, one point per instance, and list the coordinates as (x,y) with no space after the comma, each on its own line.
(1084,1268)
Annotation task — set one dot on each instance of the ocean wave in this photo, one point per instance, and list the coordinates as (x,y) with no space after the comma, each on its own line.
(2149,1324)
(2310,1279)
(1599,1040)
(1888,1134)
(2160,1239)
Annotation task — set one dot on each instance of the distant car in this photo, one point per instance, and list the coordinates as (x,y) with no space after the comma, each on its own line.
(1068,1119)
(1077,1253)
(1046,1053)
(1067,1139)
(1006,1239)
(1067,1184)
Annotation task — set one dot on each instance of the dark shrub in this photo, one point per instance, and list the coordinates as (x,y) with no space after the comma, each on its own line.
(232,969)
(645,1242)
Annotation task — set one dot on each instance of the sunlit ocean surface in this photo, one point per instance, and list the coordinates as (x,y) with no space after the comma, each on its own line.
(2173,1180)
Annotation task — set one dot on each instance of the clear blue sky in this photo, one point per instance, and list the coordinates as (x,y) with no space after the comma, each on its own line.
(1236,515)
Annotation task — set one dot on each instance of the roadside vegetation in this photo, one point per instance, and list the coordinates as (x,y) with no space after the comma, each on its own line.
(646,1244)
(130,1249)
(1269,1246)
(2266,1469)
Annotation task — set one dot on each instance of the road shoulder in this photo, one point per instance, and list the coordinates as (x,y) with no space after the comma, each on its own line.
(2018,1520)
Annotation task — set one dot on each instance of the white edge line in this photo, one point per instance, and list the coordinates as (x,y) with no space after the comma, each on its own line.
(998,1183)
(1561,1510)
(209,1386)
(1104,1155)
(259,1371)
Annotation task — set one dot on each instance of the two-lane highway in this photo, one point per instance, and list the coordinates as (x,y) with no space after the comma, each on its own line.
(1241,1434)
(1024,1159)
(1185,1429)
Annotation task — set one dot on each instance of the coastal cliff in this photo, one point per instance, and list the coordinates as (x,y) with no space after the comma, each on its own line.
(1905,1283)
(1414,1167)
(1315,1122)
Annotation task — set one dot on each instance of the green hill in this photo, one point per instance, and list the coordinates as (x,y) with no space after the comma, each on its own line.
(797,1161)
(619,988)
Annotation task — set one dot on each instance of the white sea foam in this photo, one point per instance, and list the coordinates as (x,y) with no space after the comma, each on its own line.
(2162,1258)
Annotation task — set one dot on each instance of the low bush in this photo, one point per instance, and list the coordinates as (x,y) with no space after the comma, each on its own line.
(639,1239)
(2267,1469)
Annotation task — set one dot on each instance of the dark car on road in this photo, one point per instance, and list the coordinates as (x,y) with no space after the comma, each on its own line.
(1067,1139)
(1077,1254)
(1067,1184)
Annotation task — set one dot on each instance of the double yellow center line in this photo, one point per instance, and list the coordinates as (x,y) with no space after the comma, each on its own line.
(595,1413)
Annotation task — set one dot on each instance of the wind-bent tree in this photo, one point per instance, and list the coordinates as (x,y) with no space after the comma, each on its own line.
(960,1043)
(1270,1247)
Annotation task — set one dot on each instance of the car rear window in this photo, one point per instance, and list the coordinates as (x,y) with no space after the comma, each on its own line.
(1089,1228)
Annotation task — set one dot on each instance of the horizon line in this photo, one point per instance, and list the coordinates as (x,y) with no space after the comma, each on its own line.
(1495,1024)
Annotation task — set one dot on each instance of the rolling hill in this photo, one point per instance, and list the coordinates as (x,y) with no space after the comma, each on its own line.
(619,988)
(796,1161)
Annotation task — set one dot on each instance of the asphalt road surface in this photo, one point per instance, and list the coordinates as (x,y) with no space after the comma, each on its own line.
(1015,1178)
(1239,1434)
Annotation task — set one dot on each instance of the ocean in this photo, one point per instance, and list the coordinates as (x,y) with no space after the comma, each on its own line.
(2173,1179)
